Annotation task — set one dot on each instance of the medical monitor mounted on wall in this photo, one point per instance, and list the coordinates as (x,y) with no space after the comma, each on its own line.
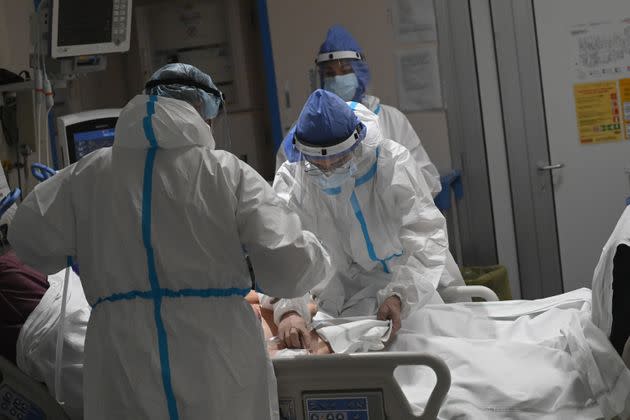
(82,27)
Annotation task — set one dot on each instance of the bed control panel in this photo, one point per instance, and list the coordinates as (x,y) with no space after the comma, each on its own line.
(359,405)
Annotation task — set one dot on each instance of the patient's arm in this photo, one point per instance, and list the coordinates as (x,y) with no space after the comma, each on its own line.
(318,346)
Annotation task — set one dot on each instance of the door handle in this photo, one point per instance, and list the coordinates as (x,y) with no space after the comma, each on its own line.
(543,167)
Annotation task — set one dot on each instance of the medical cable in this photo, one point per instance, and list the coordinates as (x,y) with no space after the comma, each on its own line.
(60,332)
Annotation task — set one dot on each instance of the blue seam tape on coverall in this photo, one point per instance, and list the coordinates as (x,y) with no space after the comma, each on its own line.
(171,293)
(156,293)
(332,191)
(147,191)
(359,181)
(354,104)
(361,218)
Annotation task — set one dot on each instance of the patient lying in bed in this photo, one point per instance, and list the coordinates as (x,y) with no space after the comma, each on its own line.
(487,340)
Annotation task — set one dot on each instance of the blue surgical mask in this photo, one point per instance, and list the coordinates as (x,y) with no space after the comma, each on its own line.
(336,178)
(344,86)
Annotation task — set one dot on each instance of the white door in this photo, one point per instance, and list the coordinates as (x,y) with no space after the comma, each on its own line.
(584,51)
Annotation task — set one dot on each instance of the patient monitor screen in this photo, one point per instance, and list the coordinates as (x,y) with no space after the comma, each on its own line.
(84,22)
(88,141)
(88,136)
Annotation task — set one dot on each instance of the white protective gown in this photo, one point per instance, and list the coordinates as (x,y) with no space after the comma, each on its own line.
(37,342)
(381,228)
(395,126)
(603,276)
(158,223)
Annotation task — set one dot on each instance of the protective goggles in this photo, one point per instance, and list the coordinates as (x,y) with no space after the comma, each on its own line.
(187,82)
(341,164)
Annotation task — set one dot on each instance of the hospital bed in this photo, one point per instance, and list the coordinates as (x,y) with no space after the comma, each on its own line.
(354,386)
(22,398)
(467,293)
(331,387)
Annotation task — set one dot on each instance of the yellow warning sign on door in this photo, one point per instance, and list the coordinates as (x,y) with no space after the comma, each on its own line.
(624,90)
(598,113)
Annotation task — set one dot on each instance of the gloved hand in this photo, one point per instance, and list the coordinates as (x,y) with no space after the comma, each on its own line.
(390,310)
(294,332)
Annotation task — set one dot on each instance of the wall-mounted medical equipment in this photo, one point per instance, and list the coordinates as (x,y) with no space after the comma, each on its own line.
(82,133)
(195,32)
(82,27)
(209,34)
(70,37)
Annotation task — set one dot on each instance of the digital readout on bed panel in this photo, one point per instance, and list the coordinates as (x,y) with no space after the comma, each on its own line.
(14,405)
(344,406)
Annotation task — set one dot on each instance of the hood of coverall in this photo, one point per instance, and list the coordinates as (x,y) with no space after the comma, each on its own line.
(174,124)
(339,39)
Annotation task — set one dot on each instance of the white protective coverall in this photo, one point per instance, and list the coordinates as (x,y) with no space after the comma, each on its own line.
(382,230)
(395,126)
(158,223)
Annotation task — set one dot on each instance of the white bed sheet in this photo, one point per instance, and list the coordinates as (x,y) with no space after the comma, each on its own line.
(539,359)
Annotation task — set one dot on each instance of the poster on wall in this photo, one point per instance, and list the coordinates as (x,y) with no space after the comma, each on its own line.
(601,49)
(419,79)
(598,113)
(624,91)
(415,21)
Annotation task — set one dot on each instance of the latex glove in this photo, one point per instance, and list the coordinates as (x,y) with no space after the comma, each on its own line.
(294,332)
(390,310)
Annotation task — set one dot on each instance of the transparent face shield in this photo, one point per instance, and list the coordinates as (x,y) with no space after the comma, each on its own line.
(338,164)
(316,190)
(215,107)
(332,68)
(329,167)
(337,73)
(221,130)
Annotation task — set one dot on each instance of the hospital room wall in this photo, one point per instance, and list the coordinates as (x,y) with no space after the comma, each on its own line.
(95,90)
(107,89)
(298,28)
(122,80)
(14,56)
(249,124)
